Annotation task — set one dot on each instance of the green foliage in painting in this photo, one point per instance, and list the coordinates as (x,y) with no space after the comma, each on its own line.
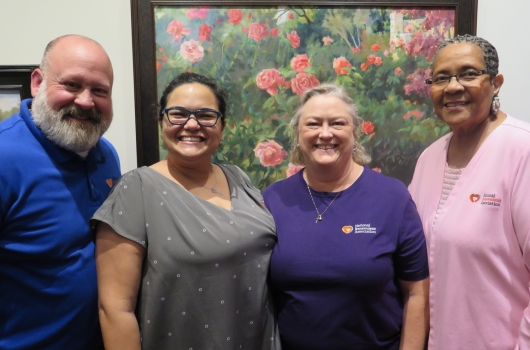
(267,57)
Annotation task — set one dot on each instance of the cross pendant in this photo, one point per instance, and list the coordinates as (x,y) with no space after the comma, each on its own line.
(319,218)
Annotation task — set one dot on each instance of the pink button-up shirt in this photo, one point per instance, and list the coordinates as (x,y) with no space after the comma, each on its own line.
(479,251)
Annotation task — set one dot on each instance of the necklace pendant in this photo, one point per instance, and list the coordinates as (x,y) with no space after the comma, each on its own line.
(319,218)
(216,192)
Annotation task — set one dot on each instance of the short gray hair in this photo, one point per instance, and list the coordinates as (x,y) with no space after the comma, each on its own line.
(359,156)
(489,53)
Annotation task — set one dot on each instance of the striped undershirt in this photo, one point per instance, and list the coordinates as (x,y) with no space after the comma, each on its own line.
(451,176)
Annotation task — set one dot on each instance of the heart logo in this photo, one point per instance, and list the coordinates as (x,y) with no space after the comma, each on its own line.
(474,198)
(347,229)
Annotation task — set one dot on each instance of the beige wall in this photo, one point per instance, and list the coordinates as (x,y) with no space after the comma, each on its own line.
(26,26)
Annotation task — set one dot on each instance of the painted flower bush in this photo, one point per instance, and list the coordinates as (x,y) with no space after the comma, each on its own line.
(267,57)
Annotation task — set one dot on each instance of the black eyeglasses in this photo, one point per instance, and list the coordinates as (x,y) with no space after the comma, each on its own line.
(465,78)
(180,116)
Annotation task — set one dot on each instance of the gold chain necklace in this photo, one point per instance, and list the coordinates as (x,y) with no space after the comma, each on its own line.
(213,189)
(319,216)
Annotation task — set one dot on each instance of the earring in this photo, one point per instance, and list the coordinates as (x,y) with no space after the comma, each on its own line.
(297,145)
(495,105)
(354,149)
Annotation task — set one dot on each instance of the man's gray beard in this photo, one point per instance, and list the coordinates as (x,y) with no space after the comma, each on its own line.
(73,136)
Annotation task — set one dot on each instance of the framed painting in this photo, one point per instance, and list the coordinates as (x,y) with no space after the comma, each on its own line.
(266,53)
(15,86)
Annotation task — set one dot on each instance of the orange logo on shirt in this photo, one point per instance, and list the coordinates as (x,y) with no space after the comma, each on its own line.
(347,229)
(474,198)
(110,182)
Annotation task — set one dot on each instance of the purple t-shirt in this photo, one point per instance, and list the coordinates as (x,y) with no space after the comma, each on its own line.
(335,282)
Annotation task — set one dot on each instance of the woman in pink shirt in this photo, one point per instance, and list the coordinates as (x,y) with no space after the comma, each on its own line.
(472,190)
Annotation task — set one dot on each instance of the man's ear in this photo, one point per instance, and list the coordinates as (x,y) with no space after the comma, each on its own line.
(37,77)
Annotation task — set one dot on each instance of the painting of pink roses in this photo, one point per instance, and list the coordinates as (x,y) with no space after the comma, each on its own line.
(267,56)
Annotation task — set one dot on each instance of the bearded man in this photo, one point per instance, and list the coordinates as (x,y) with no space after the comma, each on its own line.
(55,171)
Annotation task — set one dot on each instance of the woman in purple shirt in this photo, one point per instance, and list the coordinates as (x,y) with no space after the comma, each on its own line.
(349,270)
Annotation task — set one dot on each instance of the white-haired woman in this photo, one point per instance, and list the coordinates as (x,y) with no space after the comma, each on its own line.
(350,267)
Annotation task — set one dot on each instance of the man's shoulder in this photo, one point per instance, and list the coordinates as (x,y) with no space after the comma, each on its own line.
(15,138)
(15,122)
(106,143)
(108,150)
(10,125)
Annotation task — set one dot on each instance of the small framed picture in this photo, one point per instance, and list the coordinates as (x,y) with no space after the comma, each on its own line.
(15,86)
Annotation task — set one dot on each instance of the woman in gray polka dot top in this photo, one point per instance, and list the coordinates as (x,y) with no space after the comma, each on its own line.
(183,246)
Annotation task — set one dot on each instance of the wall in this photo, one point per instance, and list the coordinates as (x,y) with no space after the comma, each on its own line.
(504,24)
(26,26)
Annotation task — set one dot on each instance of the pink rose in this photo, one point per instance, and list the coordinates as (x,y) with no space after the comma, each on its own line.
(339,64)
(364,66)
(257,31)
(192,51)
(378,61)
(235,16)
(408,29)
(204,32)
(274,32)
(370,59)
(201,13)
(270,153)
(293,169)
(269,79)
(398,71)
(176,28)
(385,53)
(290,15)
(294,39)
(375,47)
(302,82)
(327,40)
(356,50)
(158,66)
(300,62)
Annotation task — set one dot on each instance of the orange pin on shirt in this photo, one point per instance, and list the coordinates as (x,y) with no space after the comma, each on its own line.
(347,229)
(474,198)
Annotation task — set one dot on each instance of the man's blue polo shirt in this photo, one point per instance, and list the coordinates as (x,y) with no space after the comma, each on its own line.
(48,287)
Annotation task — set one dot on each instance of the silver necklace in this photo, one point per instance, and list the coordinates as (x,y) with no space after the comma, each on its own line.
(213,189)
(319,215)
